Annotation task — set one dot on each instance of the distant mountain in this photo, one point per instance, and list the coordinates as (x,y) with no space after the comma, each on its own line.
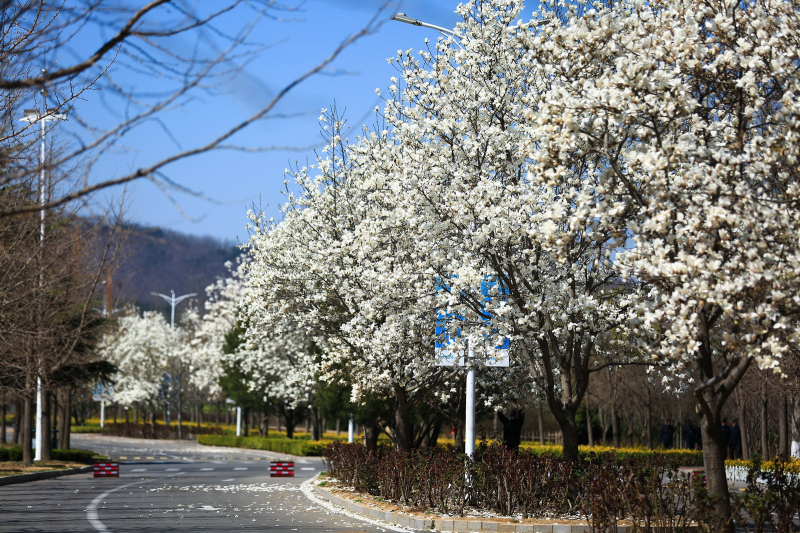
(160,260)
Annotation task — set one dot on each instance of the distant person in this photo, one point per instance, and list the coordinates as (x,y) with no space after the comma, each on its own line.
(512,428)
(689,438)
(726,437)
(735,441)
(667,432)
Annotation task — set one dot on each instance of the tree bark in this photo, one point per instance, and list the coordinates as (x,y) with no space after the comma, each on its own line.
(47,443)
(541,425)
(403,428)
(589,424)
(783,428)
(615,433)
(199,418)
(742,425)
(714,463)
(26,431)
(371,434)
(764,413)
(3,422)
(18,421)
(63,419)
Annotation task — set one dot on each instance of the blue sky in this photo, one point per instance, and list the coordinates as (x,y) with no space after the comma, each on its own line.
(235,180)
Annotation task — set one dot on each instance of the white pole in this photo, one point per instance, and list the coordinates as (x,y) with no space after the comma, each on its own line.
(102,413)
(42,199)
(469,433)
(350,429)
(238,421)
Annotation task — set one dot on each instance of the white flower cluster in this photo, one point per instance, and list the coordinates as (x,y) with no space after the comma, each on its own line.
(618,185)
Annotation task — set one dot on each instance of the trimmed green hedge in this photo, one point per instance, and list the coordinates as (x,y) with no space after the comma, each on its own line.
(73,456)
(675,457)
(300,447)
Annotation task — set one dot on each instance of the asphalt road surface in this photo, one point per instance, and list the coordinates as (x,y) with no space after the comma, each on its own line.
(176,486)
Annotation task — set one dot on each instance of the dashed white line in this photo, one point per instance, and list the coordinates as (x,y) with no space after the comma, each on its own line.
(139,470)
(240,468)
(172,469)
(308,468)
(206,469)
(231,479)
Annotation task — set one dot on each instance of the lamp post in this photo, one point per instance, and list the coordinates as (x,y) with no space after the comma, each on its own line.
(402,17)
(174,301)
(43,117)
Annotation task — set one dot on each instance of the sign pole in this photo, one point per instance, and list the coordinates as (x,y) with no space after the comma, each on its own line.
(350,429)
(469,427)
(238,421)
(102,413)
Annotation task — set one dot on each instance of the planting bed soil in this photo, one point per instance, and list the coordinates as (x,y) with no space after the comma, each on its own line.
(13,468)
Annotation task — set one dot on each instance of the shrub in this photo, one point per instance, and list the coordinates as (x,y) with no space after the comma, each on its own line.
(14,453)
(301,447)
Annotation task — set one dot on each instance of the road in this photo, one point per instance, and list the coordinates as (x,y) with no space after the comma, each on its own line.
(175,486)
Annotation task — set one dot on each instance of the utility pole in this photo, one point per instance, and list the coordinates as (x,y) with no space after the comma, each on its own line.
(174,301)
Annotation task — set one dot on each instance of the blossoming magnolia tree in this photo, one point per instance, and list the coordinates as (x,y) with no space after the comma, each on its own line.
(328,271)
(691,110)
(496,256)
(140,347)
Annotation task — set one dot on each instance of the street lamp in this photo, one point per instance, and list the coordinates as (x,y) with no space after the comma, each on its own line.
(402,17)
(174,301)
(31,116)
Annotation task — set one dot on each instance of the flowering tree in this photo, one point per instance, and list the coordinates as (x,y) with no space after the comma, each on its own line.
(334,270)
(140,347)
(690,109)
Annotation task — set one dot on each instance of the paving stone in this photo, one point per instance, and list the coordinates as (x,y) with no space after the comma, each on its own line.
(475,525)
(507,528)
(490,526)
(562,528)
(525,528)
(542,528)
(460,525)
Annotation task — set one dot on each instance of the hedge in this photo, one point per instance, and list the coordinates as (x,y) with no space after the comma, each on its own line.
(300,447)
(74,456)
(677,457)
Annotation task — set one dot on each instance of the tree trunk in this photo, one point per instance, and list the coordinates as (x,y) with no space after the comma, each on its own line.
(245,423)
(541,425)
(47,443)
(26,433)
(648,426)
(316,424)
(3,422)
(589,424)
(615,433)
(403,428)
(180,414)
(764,435)
(714,463)
(795,403)
(371,433)
(199,418)
(783,427)
(63,419)
(742,425)
(18,421)
(219,412)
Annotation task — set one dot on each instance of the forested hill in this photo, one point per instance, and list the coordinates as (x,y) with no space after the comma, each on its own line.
(160,260)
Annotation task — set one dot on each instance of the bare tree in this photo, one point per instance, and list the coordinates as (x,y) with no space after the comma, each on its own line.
(44,62)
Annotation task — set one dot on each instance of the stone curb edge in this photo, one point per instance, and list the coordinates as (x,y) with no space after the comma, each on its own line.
(458,525)
(36,476)
(451,524)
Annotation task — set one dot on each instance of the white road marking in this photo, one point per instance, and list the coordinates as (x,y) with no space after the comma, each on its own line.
(308,468)
(206,469)
(172,469)
(231,479)
(139,470)
(91,509)
(306,487)
(240,468)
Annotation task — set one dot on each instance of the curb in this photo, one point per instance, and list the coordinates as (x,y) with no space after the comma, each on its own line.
(36,476)
(452,524)
(459,525)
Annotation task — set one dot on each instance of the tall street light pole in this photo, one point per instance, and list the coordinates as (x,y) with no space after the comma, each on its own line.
(174,301)
(42,117)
